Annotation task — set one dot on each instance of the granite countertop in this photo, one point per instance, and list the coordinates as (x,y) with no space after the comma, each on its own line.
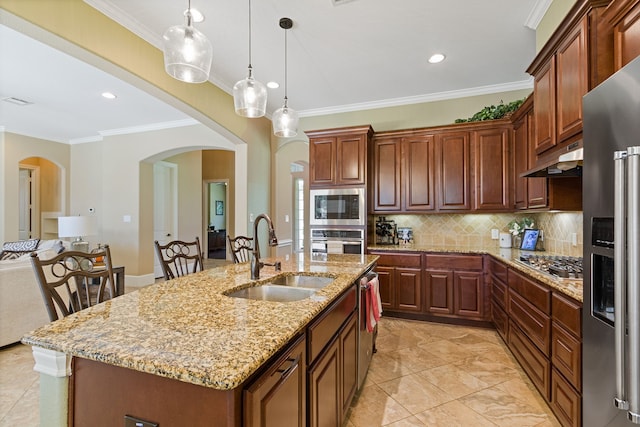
(571,288)
(187,329)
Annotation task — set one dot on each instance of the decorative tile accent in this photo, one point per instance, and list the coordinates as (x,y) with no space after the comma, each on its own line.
(474,230)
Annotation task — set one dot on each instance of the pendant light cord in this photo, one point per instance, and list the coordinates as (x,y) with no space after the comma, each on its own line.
(249,36)
(189,13)
(285,66)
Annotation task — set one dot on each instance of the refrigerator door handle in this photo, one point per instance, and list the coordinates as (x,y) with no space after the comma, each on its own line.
(633,281)
(620,399)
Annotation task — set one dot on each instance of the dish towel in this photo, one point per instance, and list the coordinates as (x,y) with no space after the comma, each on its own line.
(374,304)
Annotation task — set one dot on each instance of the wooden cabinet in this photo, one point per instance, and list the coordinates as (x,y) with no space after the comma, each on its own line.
(577,57)
(278,397)
(453,166)
(491,154)
(455,286)
(332,361)
(338,157)
(400,277)
(624,17)
(403,178)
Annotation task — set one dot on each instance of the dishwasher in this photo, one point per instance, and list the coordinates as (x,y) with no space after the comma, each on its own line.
(366,340)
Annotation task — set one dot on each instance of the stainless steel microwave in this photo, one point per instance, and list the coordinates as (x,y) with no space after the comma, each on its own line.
(338,206)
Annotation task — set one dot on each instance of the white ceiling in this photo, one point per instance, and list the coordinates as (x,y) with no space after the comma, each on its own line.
(356,55)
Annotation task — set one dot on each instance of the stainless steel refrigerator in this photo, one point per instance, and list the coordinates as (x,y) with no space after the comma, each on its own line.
(611,198)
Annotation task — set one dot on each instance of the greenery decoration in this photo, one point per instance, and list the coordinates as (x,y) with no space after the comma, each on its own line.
(517,227)
(493,112)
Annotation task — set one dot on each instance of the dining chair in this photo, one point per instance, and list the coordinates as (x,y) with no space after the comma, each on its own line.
(241,248)
(72,281)
(179,258)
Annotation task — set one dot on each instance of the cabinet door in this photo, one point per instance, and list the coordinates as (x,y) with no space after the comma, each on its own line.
(350,151)
(469,294)
(491,182)
(322,168)
(387,153)
(349,356)
(626,37)
(439,285)
(278,397)
(408,285)
(418,169)
(571,81)
(521,151)
(453,171)
(385,278)
(325,391)
(536,187)
(544,106)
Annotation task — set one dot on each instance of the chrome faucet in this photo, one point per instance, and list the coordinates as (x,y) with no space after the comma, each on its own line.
(256,265)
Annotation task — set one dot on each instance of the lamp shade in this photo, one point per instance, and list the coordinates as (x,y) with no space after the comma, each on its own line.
(77,226)
(285,122)
(187,54)
(250,97)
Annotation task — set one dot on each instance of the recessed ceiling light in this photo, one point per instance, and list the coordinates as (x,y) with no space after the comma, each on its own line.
(108,95)
(273,85)
(437,57)
(196,15)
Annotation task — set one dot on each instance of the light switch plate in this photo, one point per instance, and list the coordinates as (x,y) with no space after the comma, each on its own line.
(495,233)
(130,421)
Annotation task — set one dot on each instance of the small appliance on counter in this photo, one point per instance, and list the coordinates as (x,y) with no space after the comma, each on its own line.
(386,232)
(505,240)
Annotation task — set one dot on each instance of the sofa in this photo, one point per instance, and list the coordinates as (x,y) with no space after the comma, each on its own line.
(21,305)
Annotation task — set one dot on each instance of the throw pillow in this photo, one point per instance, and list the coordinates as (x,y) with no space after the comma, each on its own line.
(58,247)
(21,245)
(5,255)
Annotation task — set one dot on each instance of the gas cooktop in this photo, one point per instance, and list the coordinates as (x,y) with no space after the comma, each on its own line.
(560,267)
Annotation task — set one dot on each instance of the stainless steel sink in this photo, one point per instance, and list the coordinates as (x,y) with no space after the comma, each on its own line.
(302,281)
(271,292)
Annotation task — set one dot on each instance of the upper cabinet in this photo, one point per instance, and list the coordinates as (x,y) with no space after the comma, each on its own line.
(577,57)
(624,17)
(457,168)
(338,157)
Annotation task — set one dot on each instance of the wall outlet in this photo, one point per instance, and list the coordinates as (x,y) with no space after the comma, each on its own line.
(126,218)
(250,217)
(286,218)
(495,234)
(574,239)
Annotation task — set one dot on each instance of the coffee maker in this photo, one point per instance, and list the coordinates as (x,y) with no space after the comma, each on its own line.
(386,232)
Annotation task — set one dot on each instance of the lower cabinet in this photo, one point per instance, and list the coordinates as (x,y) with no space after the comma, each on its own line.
(278,397)
(333,379)
(400,276)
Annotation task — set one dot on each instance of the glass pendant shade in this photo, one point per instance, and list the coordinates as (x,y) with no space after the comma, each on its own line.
(285,122)
(250,97)
(187,53)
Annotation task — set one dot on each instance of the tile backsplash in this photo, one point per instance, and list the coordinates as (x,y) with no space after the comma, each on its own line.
(473,230)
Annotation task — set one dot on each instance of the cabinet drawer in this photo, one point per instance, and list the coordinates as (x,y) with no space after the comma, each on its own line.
(566,355)
(399,259)
(537,295)
(536,325)
(499,291)
(565,402)
(325,328)
(498,269)
(500,320)
(568,313)
(453,262)
(534,363)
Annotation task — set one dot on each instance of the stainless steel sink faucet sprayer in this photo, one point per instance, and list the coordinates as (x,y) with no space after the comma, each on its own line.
(256,265)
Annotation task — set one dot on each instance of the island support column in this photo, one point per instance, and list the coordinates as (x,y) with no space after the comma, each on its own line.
(54,368)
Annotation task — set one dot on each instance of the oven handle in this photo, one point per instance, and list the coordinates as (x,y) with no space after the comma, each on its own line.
(364,282)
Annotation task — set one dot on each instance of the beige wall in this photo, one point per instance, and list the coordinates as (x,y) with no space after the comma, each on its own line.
(190,222)
(50,183)
(220,165)
(13,149)
(552,18)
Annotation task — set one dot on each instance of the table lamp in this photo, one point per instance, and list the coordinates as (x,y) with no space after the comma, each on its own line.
(77,226)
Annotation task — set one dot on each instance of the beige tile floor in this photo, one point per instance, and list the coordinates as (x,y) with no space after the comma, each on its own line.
(424,374)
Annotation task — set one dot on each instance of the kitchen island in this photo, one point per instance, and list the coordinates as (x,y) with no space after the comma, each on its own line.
(186,331)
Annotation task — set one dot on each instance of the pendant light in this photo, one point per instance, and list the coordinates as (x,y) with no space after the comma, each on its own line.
(249,95)
(285,120)
(187,52)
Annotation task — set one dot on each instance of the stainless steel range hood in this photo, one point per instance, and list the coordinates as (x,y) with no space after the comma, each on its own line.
(566,163)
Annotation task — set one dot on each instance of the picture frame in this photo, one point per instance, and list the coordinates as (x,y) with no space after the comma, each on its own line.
(219,207)
(530,239)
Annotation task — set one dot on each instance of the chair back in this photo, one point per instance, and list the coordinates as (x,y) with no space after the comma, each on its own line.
(241,248)
(72,281)
(179,258)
